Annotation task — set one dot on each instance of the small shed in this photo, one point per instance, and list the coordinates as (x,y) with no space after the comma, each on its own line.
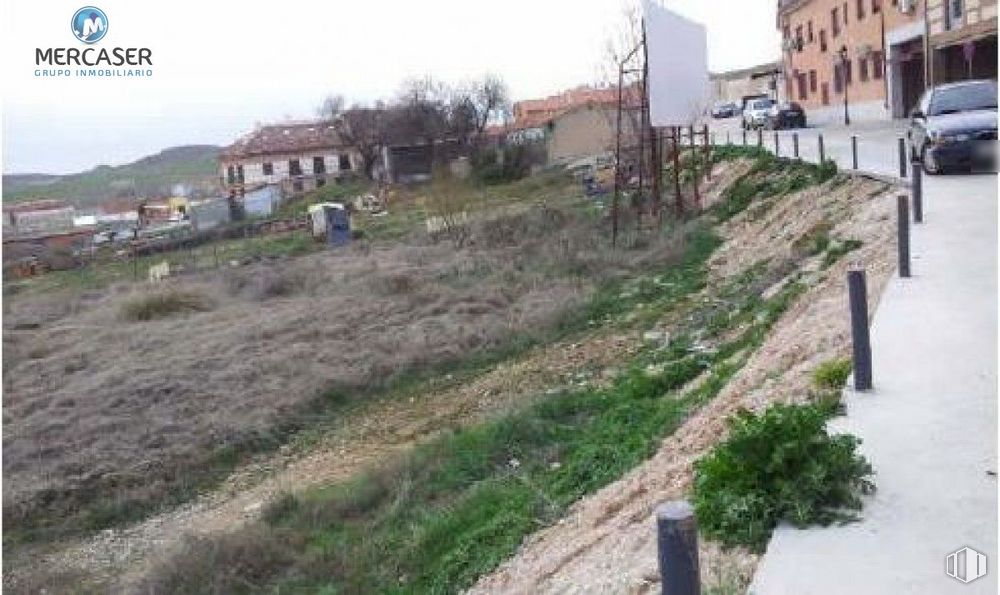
(331,220)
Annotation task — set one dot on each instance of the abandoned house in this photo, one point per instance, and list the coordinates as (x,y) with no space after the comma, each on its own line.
(296,156)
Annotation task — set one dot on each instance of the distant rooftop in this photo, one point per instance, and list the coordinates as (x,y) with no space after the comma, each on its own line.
(291,137)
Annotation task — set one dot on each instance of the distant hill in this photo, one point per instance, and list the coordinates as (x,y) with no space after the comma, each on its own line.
(191,165)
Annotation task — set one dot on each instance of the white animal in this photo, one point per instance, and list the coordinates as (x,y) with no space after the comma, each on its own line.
(158,272)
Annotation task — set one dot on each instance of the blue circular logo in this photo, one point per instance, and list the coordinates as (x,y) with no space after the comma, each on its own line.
(90,24)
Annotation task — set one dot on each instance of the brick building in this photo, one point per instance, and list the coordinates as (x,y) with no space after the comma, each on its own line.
(872,51)
(963,39)
(532,113)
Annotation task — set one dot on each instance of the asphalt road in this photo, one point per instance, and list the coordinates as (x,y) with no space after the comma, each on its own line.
(878,148)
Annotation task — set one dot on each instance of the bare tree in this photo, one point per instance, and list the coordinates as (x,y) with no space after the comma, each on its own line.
(488,99)
(361,127)
(449,201)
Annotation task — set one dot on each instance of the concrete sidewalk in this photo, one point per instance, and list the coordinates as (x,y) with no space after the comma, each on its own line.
(930,425)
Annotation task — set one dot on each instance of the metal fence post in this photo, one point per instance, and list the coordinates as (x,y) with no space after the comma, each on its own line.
(822,152)
(760,137)
(902,158)
(854,151)
(677,540)
(795,144)
(777,146)
(744,137)
(903,234)
(918,193)
(860,339)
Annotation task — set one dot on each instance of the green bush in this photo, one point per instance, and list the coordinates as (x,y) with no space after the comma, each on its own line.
(832,374)
(780,465)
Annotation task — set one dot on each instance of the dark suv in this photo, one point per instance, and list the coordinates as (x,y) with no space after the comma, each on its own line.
(788,115)
(954,127)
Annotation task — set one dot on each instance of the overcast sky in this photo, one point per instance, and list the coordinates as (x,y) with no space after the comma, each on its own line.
(220,67)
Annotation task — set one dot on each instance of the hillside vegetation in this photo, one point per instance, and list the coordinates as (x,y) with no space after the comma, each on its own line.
(460,397)
(192,165)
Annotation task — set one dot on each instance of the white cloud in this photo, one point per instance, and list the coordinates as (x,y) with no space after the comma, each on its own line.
(221,66)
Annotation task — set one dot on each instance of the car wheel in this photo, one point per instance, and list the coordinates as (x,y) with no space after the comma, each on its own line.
(928,164)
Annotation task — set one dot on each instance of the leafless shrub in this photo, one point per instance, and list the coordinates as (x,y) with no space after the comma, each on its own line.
(238,562)
(396,283)
(161,304)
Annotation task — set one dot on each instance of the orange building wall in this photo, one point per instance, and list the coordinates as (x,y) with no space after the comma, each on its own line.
(862,36)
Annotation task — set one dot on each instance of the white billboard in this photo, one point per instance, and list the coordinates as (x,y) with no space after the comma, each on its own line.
(677,50)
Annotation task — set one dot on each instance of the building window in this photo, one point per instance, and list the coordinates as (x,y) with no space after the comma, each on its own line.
(845,14)
(861,9)
(848,72)
(239,174)
(809,32)
(798,38)
(800,77)
(953,14)
(230,174)
(878,65)
(822,40)
(876,6)
(838,80)
(319,165)
(345,162)
(268,169)
(825,93)
(812,81)
(835,22)
(863,69)
(294,167)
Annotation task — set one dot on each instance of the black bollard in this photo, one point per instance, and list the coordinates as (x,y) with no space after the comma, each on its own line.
(677,540)
(854,151)
(860,339)
(918,193)
(903,234)
(795,144)
(760,137)
(902,158)
(777,147)
(822,152)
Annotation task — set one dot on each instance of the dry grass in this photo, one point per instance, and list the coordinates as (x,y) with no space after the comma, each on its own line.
(163,304)
(105,416)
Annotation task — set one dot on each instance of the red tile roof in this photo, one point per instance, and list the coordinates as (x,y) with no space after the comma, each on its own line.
(534,113)
(292,137)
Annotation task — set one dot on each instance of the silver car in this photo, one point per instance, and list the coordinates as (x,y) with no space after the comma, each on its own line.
(757,113)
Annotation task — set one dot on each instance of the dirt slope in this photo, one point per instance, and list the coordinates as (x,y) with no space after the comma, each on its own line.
(608,544)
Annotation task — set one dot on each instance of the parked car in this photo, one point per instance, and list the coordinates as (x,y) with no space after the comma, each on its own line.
(787,115)
(725,109)
(954,126)
(757,113)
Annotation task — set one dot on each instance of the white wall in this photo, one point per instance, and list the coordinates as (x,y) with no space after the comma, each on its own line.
(253,167)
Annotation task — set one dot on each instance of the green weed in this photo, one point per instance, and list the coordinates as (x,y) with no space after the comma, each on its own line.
(780,465)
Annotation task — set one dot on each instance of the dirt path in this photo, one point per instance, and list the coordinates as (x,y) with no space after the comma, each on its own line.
(607,542)
(114,559)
